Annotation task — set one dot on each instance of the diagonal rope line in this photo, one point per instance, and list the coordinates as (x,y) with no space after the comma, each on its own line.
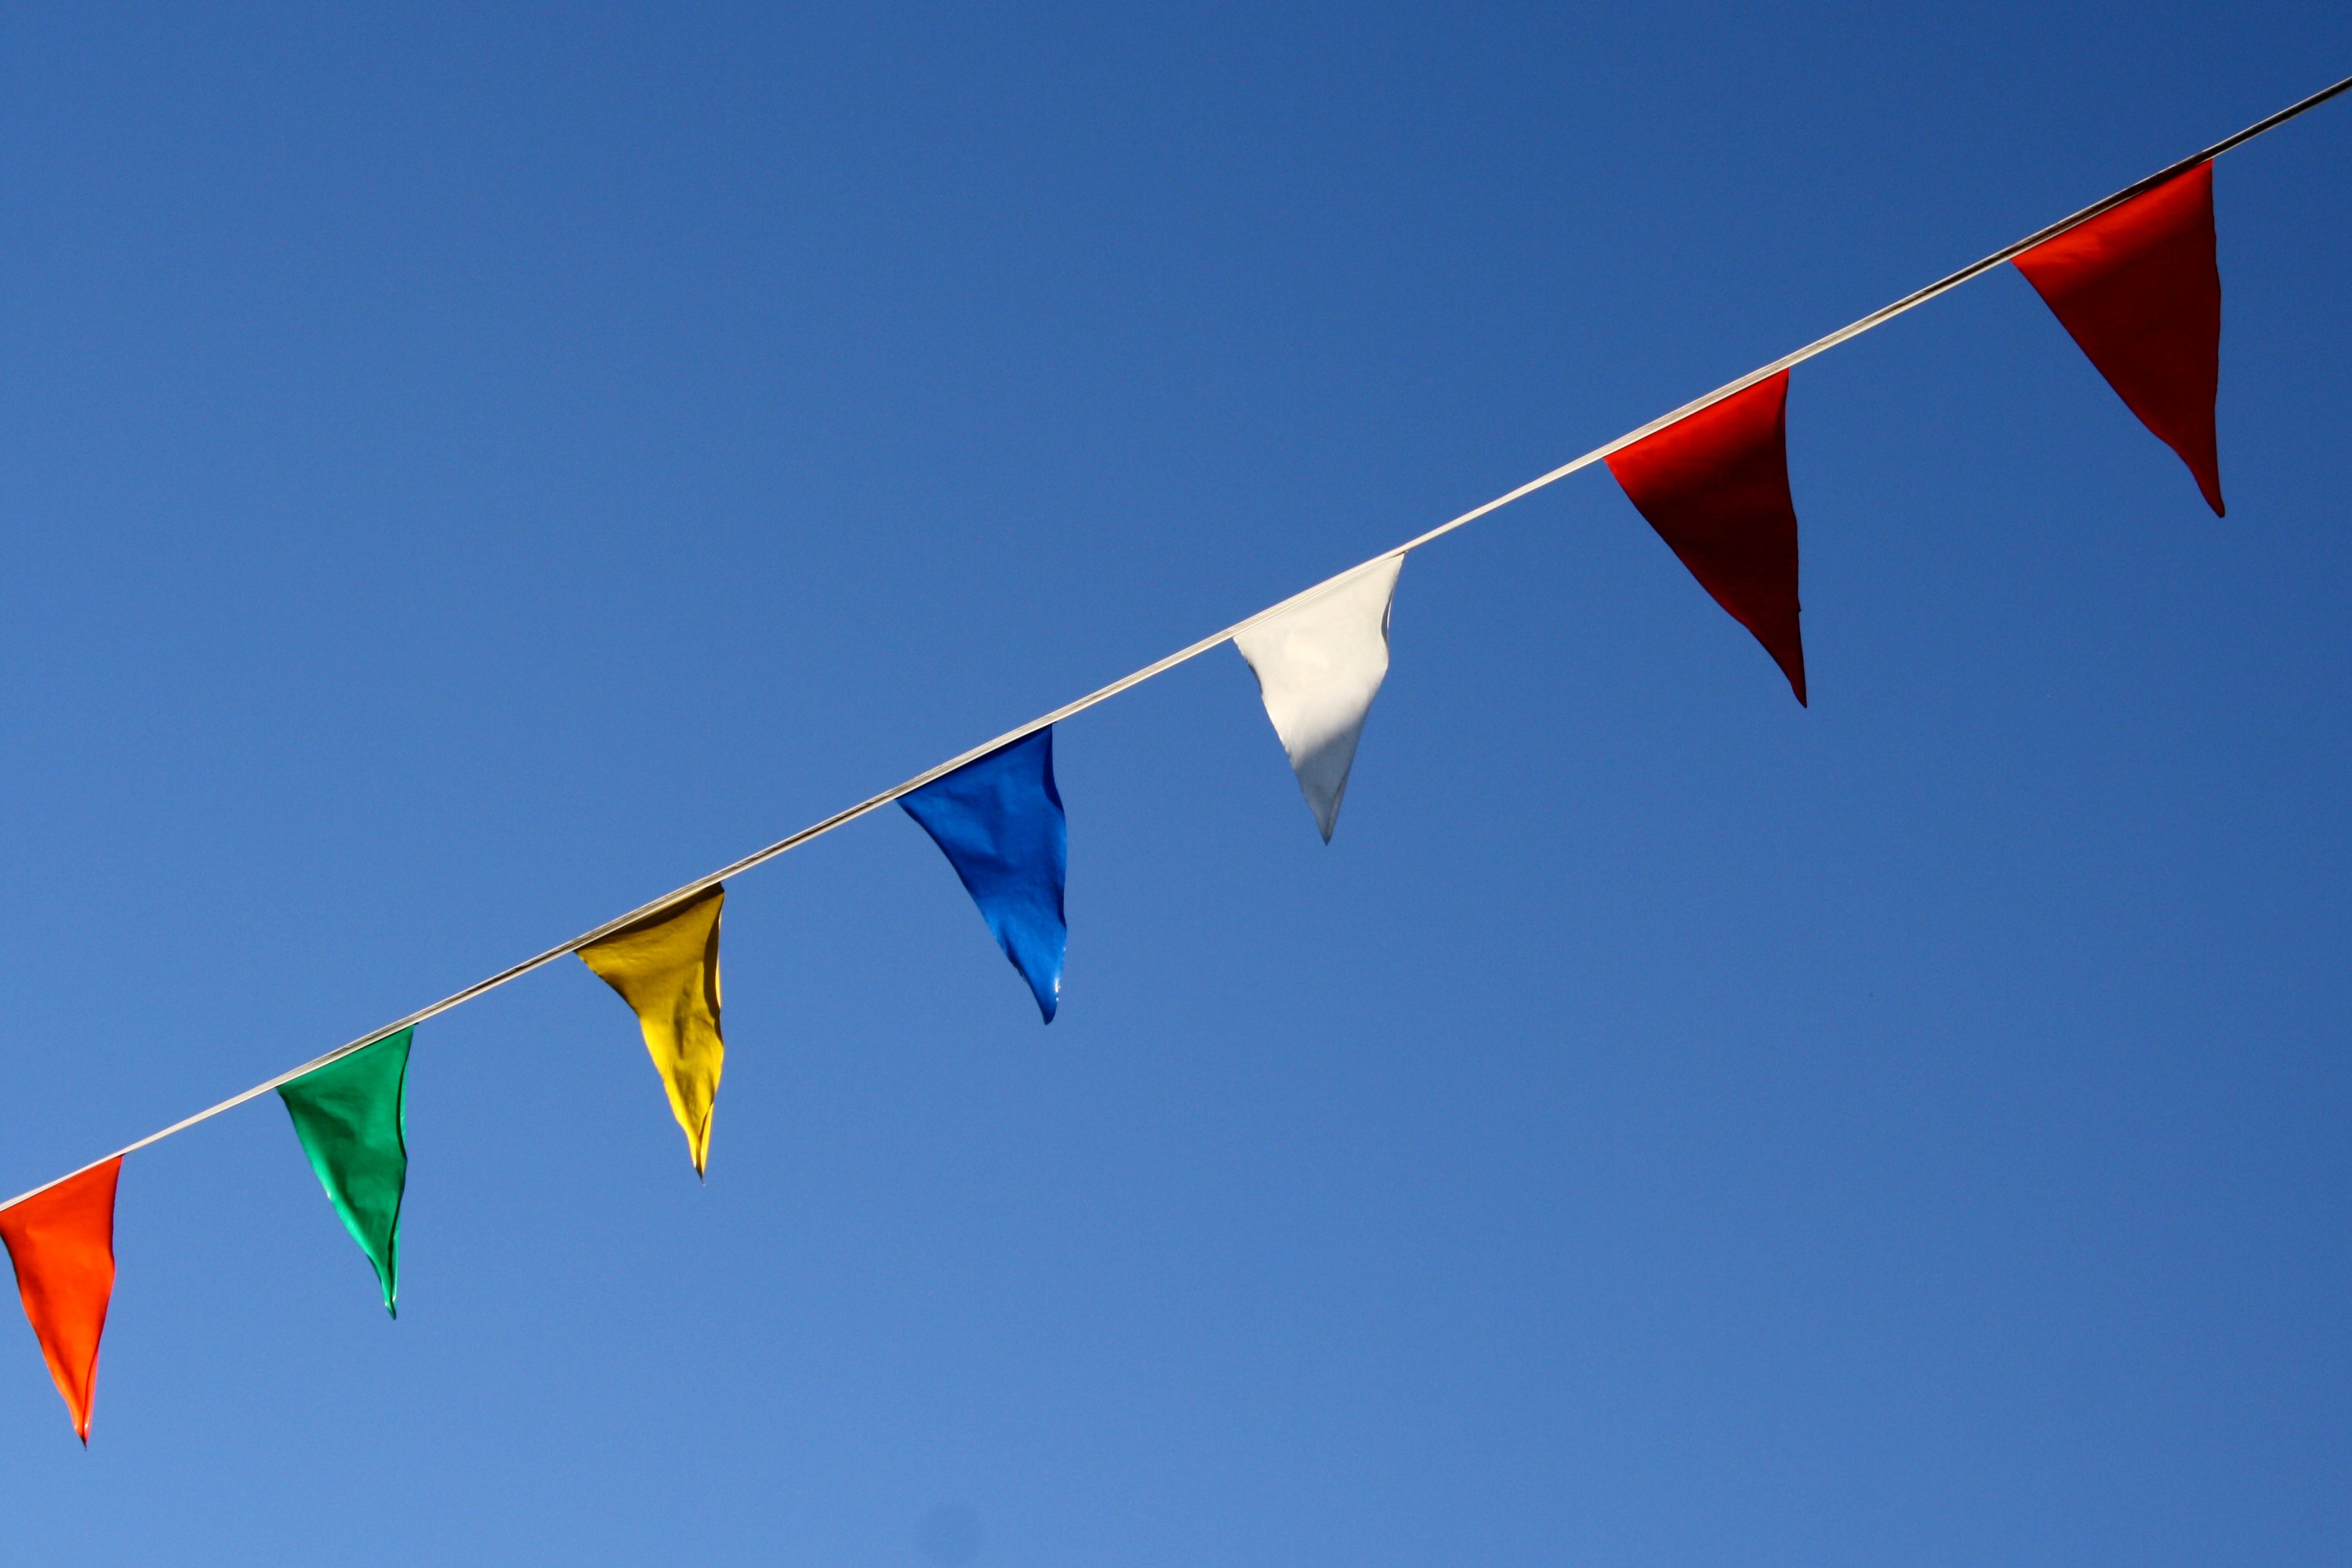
(842,818)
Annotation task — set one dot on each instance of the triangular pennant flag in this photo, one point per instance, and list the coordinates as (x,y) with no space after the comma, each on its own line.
(1715,486)
(2139,289)
(999,820)
(350,1117)
(1318,666)
(667,967)
(61,1240)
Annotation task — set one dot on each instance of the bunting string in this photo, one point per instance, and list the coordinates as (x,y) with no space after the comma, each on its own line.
(685,1041)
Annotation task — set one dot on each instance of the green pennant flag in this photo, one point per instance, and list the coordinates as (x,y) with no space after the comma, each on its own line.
(348,1116)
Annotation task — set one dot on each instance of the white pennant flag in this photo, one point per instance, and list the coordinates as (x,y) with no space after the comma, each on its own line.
(1318,665)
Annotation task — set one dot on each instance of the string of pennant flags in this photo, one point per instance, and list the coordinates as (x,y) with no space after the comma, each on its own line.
(2132,278)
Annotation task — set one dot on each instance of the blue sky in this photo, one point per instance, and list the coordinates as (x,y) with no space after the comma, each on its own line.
(467,470)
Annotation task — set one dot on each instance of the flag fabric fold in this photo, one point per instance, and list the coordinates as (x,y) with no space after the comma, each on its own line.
(2138,289)
(349,1116)
(1715,486)
(667,967)
(1318,665)
(999,821)
(61,1240)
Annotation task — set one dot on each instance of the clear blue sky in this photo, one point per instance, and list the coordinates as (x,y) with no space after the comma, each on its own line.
(467,470)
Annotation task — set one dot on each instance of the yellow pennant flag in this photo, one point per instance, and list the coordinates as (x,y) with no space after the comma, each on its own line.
(667,967)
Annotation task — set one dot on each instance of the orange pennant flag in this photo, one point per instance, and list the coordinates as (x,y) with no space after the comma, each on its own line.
(62,1242)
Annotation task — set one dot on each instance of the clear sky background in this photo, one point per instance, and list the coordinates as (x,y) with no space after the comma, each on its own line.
(469,469)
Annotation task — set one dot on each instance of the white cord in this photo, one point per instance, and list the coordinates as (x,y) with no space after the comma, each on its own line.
(1102,694)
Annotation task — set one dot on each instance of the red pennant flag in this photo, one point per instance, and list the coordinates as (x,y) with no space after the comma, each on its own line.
(62,1243)
(2138,289)
(1715,486)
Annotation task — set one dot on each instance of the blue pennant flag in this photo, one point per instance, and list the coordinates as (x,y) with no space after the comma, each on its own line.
(999,820)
